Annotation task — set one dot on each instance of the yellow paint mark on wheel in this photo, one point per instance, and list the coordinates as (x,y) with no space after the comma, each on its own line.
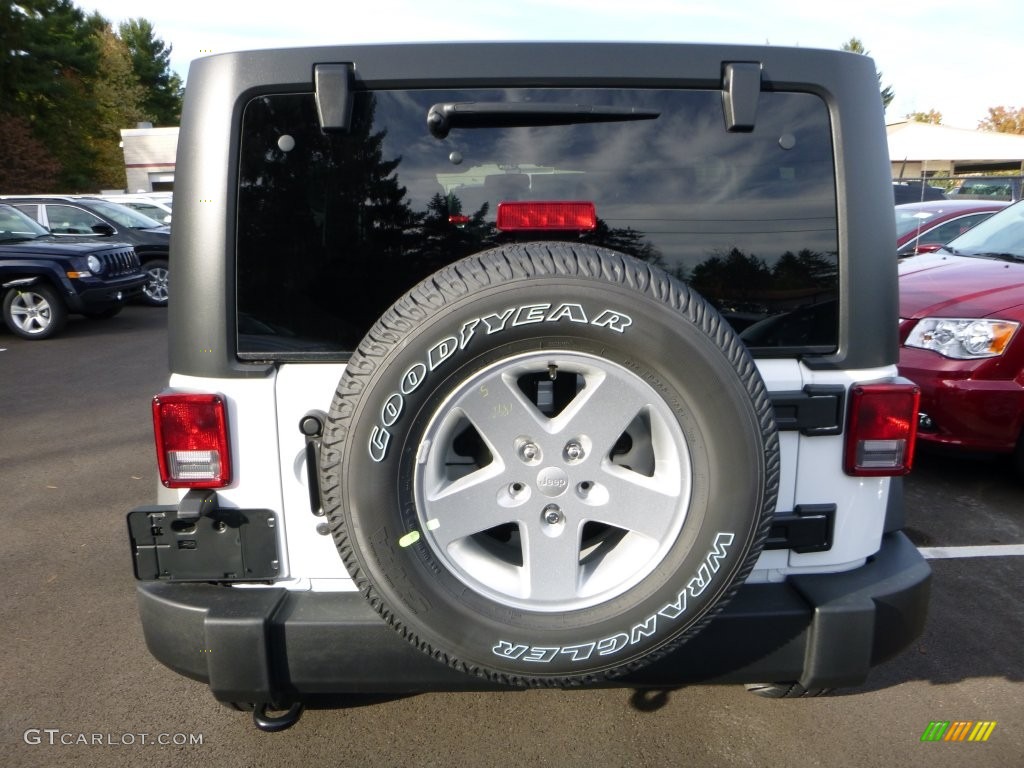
(409,539)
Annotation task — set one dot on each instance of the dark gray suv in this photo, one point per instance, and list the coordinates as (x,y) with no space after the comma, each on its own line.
(91,217)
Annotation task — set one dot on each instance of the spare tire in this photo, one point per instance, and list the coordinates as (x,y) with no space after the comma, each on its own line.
(549,464)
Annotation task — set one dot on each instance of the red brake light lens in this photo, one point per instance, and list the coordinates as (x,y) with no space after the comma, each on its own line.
(575,216)
(191,433)
(882,429)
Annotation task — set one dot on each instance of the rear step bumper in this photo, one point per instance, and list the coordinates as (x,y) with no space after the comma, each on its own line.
(274,645)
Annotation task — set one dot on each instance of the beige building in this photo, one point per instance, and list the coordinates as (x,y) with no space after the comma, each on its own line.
(922,149)
(149,158)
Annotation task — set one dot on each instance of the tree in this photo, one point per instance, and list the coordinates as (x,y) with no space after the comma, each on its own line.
(931,116)
(733,277)
(854,45)
(119,100)
(47,55)
(26,166)
(44,44)
(150,59)
(1003,120)
(68,84)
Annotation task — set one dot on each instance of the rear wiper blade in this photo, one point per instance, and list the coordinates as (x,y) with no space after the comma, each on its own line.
(441,118)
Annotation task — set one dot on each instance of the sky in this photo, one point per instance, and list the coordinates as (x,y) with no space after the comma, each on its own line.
(958,58)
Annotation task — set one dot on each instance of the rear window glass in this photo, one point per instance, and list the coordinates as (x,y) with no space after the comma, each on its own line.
(995,190)
(908,221)
(333,227)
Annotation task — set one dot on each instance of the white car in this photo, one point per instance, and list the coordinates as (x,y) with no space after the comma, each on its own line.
(156,205)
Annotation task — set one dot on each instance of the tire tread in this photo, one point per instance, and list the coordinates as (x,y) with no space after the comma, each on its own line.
(515,263)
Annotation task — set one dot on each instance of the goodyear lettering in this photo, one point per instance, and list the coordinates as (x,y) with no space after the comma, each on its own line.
(442,351)
(413,378)
(614,320)
(534,313)
(496,323)
(573,312)
(438,354)
(379,439)
(468,329)
(392,410)
(661,619)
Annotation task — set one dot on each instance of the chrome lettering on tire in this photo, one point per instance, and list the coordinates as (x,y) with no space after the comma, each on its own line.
(614,644)
(440,352)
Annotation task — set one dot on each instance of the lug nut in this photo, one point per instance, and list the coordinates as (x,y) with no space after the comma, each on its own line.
(574,451)
(552,515)
(529,451)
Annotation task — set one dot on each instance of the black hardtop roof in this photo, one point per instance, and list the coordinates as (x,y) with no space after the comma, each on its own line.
(220,86)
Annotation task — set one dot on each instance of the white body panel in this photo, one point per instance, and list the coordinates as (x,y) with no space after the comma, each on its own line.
(269,460)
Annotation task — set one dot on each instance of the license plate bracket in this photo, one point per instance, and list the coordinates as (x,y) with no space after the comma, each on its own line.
(219,545)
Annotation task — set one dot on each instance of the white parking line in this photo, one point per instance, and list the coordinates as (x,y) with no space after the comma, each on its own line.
(990,550)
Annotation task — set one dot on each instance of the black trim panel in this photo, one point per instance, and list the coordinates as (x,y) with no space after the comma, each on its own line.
(808,528)
(263,645)
(816,410)
(202,318)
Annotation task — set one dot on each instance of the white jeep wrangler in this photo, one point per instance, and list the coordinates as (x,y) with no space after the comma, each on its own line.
(530,365)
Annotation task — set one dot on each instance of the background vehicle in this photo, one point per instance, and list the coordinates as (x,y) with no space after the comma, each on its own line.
(1006,188)
(923,227)
(70,215)
(43,278)
(155,207)
(961,309)
(471,398)
(904,192)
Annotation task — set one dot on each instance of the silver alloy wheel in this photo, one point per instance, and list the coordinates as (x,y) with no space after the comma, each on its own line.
(552,498)
(156,287)
(31,312)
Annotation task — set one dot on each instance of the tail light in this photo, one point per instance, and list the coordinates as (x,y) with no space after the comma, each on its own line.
(191,433)
(882,429)
(531,215)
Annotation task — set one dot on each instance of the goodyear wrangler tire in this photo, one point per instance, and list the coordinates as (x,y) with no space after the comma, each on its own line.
(549,464)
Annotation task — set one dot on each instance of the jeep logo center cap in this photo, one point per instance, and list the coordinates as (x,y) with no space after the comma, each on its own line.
(552,481)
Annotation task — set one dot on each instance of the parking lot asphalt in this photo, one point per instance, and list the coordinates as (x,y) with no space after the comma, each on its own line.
(81,688)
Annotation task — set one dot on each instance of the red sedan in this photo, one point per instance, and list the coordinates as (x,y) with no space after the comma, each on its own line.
(961,311)
(923,227)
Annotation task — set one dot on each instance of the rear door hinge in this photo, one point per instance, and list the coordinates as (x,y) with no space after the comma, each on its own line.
(741,89)
(333,84)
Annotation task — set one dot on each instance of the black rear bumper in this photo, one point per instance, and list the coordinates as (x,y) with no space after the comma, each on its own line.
(273,645)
